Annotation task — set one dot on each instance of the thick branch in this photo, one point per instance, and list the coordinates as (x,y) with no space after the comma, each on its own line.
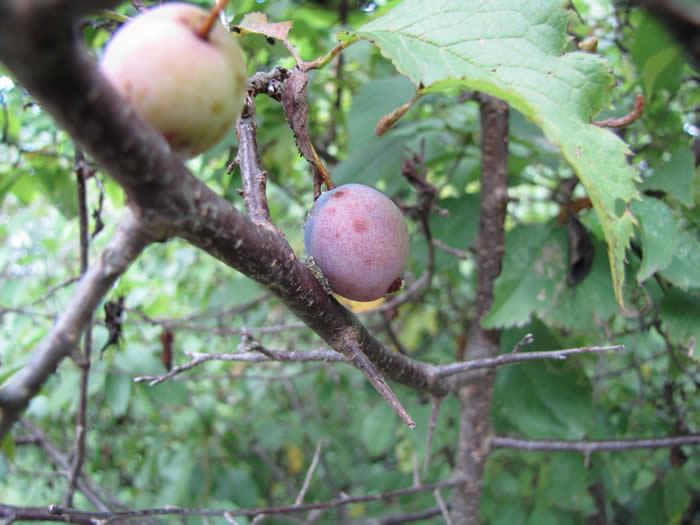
(38,514)
(128,242)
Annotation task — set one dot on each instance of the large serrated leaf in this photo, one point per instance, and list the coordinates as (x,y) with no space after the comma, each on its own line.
(513,49)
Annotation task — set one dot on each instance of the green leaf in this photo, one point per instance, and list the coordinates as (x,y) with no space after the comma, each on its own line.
(545,399)
(515,50)
(543,516)
(643,480)
(676,495)
(684,270)
(509,514)
(674,175)
(7,446)
(7,182)
(373,100)
(243,489)
(378,429)
(533,263)
(680,312)
(582,307)
(117,393)
(57,183)
(657,234)
(651,511)
(657,57)
(574,493)
(533,281)
(456,229)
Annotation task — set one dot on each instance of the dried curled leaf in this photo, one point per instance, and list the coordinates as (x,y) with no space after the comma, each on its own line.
(257,23)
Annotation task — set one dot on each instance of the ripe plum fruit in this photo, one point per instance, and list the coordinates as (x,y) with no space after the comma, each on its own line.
(359,239)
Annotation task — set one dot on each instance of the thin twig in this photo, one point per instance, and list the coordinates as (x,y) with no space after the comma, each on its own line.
(51,291)
(443,508)
(493,362)
(628,119)
(251,357)
(527,339)
(84,359)
(309,474)
(114,517)
(155,380)
(292,51)
(588,447)
(431,430)
(460,254)
(322,62)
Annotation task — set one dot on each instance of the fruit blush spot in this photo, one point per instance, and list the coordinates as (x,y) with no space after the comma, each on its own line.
(338,194)
(360,226)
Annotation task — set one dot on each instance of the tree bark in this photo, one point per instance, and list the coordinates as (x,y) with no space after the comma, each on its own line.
(475,397)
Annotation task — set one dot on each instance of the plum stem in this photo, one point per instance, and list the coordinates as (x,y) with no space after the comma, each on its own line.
(204,31)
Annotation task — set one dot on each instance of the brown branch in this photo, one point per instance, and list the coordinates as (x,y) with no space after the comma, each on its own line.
(254,178)
(128,242)
(587,447)
(292,51)
(431,431)
(309,474)
(475,397)
(300,356)
(506,359)
(13,513)
(400,519)
(625,121)
(460,254)
(81,172)
(115,517)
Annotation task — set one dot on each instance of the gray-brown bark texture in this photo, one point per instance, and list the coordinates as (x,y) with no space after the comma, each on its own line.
(475,397)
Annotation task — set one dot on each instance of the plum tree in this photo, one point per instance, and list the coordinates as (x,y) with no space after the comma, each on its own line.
(188,87)
(359,239)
